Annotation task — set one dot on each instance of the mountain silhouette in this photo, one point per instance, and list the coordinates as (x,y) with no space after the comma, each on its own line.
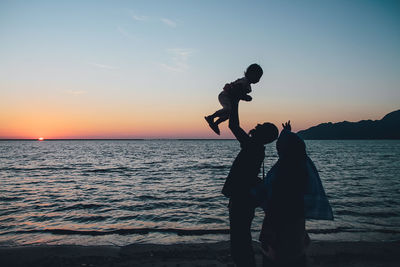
(386,128)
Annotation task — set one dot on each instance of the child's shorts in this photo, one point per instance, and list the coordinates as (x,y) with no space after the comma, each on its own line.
(225,100)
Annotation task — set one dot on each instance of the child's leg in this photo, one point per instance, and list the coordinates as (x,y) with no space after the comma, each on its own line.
(210,122)
(223,113)
(221,119)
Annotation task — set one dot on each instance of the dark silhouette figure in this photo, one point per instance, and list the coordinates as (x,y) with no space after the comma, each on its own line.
(283,235)
(238,89)
(242,177)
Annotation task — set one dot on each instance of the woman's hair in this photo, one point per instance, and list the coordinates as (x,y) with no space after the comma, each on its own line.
(253,73)
(290,146)
(292,159)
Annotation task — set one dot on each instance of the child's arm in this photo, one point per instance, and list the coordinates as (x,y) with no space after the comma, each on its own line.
(247,98)
(243,91)
(238,90)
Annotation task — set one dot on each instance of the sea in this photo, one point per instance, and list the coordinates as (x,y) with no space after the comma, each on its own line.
(119,192)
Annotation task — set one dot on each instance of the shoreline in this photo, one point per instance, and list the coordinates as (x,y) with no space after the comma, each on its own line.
(325,253)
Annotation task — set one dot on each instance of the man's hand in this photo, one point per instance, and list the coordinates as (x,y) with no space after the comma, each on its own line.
(287,126)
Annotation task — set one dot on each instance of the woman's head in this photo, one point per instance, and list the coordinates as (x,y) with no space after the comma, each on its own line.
(253,73)
(290,146)
(264,133)
(292,161)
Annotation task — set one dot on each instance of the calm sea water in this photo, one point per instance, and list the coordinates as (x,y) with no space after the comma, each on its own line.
(168,191)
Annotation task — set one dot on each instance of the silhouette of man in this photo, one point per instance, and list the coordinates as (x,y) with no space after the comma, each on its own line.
(243,175)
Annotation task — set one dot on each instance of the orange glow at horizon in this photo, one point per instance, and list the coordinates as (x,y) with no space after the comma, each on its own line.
(124,120)
(131,127)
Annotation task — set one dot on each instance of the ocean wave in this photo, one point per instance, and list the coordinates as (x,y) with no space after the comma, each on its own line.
(351,230)
(106,170)
(202,166)
(85,219)
(42,218)
(131,231)
(212,166)
(16,169)
(6,199)
(373,214)
(80,206)
(182,232)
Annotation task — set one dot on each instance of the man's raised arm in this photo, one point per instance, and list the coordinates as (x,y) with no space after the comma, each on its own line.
(237,131)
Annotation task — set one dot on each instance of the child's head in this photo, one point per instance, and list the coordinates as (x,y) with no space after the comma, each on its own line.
(253,73)
(265,133)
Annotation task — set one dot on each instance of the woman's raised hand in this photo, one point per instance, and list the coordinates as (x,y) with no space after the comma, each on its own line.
(287,126)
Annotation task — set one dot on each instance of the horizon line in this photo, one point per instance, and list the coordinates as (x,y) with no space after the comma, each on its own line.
(111,139)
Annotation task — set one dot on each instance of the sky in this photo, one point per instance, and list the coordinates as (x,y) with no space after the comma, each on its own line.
(154,69)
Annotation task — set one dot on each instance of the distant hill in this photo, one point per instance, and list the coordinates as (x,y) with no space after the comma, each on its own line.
(386,128)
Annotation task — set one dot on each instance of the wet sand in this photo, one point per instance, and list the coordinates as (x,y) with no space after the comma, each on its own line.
(214,254)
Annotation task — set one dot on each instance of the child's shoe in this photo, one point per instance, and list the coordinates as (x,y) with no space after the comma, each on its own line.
(212,125)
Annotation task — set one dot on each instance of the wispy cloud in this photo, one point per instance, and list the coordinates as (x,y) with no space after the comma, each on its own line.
(178,59)
(125,33)
(102,66)
(74,92)
(144,18)
(139,18)
(181,53)
(173,68)
(168,22)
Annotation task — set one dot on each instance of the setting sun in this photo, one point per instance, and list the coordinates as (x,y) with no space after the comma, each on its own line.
(40,138)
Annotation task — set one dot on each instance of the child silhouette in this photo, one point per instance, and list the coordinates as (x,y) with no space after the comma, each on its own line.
(237,90)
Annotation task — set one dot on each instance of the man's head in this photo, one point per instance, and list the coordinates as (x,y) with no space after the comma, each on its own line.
(264,133)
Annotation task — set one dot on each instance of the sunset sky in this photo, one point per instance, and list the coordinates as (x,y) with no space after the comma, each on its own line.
(154,69)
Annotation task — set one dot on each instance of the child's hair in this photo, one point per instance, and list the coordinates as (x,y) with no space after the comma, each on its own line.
(253,73)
